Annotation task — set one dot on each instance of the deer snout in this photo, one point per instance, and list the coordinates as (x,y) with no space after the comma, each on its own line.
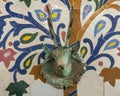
(60,67)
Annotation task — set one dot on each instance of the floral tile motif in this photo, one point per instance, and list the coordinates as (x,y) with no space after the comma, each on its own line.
(23,29)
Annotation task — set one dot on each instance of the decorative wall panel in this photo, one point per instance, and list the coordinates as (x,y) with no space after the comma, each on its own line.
(24,27)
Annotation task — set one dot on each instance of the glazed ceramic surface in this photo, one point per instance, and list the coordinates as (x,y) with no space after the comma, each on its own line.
(24,27)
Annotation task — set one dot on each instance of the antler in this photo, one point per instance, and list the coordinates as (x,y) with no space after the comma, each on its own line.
(69,28)
(50,25)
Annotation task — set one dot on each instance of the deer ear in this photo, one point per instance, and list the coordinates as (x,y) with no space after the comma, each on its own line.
(49,52)
(75,47)
(46,49)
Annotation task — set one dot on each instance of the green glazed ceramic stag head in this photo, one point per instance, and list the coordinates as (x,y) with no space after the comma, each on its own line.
(62,66)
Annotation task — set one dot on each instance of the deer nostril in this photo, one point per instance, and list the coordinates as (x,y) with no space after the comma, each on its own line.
(60,67)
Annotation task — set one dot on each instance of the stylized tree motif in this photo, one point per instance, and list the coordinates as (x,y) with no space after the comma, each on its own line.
(90,51)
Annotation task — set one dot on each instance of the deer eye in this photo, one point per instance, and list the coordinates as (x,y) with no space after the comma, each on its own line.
(54,55)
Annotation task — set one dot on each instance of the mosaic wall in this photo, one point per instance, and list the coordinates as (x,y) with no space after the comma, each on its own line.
(23,29)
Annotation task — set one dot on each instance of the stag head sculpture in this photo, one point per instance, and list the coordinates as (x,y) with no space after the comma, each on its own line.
(63,65)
